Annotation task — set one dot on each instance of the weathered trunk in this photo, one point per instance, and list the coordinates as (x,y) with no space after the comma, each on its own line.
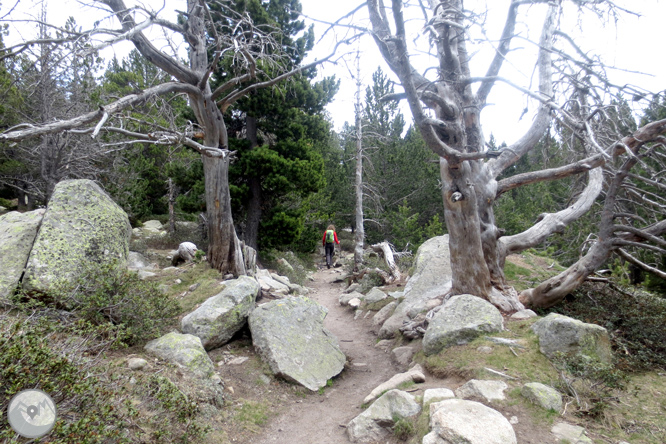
(359,234)
(385,249)
(224,250)
(171,187)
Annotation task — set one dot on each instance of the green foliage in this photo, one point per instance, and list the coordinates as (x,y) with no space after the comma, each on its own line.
(106,293)
(403,428)
(34,355)
(635,322)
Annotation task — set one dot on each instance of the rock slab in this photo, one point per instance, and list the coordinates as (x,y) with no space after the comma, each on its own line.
(289,335)
(542,395)
(431,279)
(487,391)
(185,351)
(223,315)
(82,225)
(17,235)
(374,423)
(468,422)
(560,334)
(460,320)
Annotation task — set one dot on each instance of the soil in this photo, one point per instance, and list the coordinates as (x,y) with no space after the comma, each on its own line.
(295,415)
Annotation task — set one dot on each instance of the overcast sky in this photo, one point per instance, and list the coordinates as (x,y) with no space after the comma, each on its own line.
(630,45)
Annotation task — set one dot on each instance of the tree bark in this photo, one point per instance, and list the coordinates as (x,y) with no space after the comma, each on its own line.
(359,234)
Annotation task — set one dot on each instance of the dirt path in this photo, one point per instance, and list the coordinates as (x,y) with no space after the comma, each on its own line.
(321,419)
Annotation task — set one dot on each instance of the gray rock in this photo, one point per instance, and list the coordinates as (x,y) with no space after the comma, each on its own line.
(415,374)
(346,297)
(487,391)
(137,261)
(402,356)
(353,287)
(270,285)
(469,422)
(375,422)
(183,350)
(382,315)
(144,274)
(436,395)
(3,210)
(223,315)
(543,396)
(137,363)
(17,235)
(431,279)
(570,433)
(289,335)
(523,314)
(185,253)
(354,303)
(562,334)
(460,320)
(154,225)
(375,299)
(82,226)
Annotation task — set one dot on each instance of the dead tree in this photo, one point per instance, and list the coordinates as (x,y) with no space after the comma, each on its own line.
(446,109)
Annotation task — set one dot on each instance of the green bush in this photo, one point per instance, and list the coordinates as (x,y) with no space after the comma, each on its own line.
(31,356)
(107,293)
(635,322)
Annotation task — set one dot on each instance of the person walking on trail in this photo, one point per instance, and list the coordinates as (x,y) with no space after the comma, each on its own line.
(328,241)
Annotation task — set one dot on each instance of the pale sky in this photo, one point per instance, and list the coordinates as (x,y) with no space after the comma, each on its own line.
(631,45)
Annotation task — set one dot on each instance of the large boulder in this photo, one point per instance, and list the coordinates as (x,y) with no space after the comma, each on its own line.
(460,320)
(223,315)
(375,423)
(487,391)
(431,280)
(562,335)
(17,235)
(82,225)
(289,335)
(137,261)
(469,422)
(185,351)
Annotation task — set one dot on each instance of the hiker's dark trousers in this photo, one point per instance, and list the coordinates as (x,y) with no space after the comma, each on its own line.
(329,248)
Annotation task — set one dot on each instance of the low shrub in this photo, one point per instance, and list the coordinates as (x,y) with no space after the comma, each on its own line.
(635,322)
(109,294)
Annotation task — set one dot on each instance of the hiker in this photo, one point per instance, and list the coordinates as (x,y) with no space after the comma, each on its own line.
(330,236)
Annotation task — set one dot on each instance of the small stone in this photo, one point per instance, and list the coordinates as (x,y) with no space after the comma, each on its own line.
(238,361)
(513,420)
(437,394)
(358,314)
(230,389)
(265,379)
(178,281)
(228,277)
(194,286)
(132,380)
(523,314)
(216,378)
(485,349)
(355,303)
(137,363)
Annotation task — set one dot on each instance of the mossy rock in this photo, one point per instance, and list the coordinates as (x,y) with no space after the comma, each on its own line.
(82,226)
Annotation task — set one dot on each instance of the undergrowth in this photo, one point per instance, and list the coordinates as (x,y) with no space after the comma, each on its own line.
(634,320)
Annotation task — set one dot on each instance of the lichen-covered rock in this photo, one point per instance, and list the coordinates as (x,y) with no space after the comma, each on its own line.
(460,320)
(542,395)
(570,433)
(185,351)
(82,225)
(375,299)
(289,335)
(469,422)
(17,235)
(431,279)
(375,423)
(560,334)
(223,315)
(487,391)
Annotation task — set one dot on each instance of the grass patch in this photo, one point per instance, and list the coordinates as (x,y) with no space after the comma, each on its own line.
(252,415)
(208,279)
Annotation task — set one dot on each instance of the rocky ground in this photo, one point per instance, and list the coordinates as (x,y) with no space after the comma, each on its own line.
(290,414)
